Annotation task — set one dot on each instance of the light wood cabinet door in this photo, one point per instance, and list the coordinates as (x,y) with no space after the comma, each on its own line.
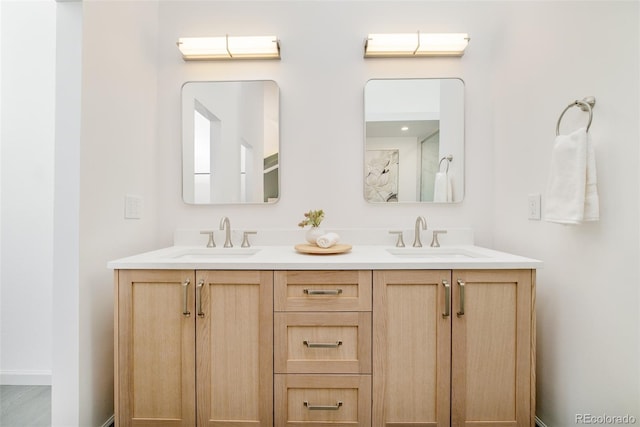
(492,357)
(154,357)
(411,348)
(234,335)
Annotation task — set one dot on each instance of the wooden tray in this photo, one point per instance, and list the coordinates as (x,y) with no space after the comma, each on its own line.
(306,248)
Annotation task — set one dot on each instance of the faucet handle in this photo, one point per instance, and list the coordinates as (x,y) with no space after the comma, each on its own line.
(400,241)
(211,243)
(434,241)
(245,239)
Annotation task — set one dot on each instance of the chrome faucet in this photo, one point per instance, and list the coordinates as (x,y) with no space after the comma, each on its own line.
(420,221)
(226,226)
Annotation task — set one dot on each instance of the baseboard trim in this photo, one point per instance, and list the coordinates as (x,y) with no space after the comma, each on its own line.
(539,423)
(110,422)
(25,377)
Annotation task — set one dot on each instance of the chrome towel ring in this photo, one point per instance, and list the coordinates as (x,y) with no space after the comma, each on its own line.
(449,159)
(586,104)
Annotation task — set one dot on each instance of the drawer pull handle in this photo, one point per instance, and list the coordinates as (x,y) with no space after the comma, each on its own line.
(322,344)
(447,298)
(185,298)
(323,407)
(322,291)
(461,284)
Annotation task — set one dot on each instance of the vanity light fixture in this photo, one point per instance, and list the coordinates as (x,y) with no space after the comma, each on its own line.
(229,47)
(415,44)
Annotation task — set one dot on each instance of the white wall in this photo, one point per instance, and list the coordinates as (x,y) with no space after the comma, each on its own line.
(1,102)
(118,156)
(65,392)
(27,190)
(588,336)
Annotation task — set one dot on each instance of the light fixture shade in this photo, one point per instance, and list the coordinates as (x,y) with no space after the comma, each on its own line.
(228,47)
(415,44)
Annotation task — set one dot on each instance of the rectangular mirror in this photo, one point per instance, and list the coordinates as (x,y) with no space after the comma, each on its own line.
(414,140)
(230,142)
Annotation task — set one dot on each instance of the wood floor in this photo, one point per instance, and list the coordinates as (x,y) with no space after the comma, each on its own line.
(25,406)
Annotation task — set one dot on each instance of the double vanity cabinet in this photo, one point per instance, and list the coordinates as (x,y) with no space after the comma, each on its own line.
(334,345)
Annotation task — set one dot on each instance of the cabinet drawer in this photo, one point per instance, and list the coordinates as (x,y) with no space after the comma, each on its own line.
(322,400)
(322,290)
(323,342)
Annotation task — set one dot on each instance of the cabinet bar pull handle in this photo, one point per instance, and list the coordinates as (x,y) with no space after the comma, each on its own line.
(461,284)
(185,298)
(322,291)
(323,407)
(447,299)
(322,344)
(199,297)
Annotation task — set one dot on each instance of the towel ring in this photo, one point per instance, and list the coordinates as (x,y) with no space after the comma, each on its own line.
(586,104)
(449,159)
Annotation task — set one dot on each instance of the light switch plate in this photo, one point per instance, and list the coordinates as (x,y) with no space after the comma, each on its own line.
(533,206)
(132,207)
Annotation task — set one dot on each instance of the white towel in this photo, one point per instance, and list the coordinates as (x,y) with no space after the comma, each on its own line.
(572,194)
(591,199)
(442,191)
(327,240)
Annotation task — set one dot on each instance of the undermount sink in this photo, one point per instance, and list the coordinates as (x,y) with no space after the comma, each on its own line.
(205,253)
(442,252)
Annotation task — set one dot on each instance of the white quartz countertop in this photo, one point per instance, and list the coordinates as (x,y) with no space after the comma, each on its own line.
(285,257)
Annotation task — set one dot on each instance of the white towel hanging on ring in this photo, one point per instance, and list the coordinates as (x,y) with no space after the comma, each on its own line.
(442,191)
(572,194)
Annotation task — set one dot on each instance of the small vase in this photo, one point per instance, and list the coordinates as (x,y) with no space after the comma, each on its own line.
(312,235)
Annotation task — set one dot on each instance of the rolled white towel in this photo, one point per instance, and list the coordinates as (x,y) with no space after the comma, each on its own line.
(327,240)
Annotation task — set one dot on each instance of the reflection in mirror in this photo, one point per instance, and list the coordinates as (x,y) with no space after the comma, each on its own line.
(414,140)
(230,142)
